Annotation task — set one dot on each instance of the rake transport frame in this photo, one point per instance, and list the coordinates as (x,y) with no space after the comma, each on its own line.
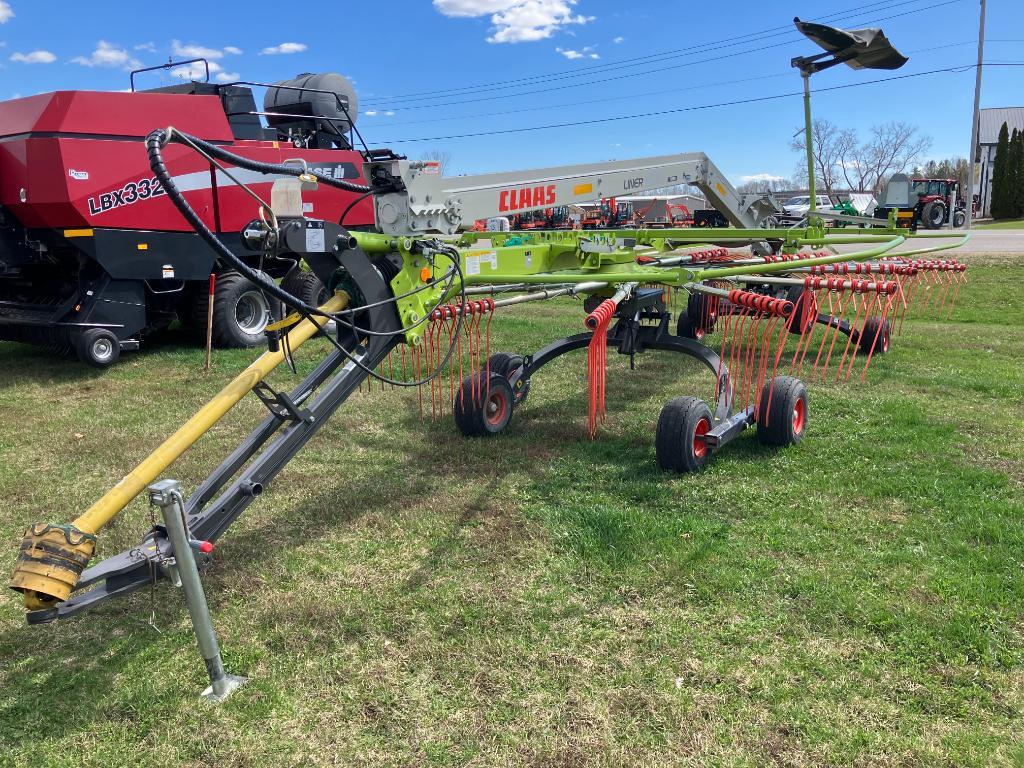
(389,290)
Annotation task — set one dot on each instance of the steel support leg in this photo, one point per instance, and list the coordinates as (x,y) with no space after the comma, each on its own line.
(166,494)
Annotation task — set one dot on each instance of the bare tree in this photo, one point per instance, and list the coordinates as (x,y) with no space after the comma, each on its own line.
(440,156)
(831,144)
(838,155)
(772,184)
(893,148)
(949,168)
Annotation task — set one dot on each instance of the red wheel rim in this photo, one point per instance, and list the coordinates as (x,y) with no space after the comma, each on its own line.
(799,416)
(699,446)
(496,407)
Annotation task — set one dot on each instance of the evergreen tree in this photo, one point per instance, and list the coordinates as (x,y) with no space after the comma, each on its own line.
(998,204)
(1017,176)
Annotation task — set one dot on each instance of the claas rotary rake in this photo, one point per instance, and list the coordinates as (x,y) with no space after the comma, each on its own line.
(419,310)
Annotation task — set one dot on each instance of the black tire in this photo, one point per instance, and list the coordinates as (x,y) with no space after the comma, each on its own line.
(782,413)
(876,333)
(959,219)
(803,317)
(241,312)
(933,215)
(678,441)
(505,364)
(97,347)
(305,286)
(691,323)
(481,410)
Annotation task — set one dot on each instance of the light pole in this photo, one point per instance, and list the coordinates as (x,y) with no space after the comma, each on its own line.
(975,119)
(857,48)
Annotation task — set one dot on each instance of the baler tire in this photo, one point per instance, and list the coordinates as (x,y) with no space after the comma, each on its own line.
(228,331)
(782,412)
(874,327)
(481,410)
(306,286)
(678,441)
(97,347)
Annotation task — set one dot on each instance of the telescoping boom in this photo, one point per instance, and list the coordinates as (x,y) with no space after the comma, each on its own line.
(430,202)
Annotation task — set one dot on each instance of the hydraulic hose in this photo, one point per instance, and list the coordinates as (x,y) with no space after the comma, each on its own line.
(255,165)
(159,138)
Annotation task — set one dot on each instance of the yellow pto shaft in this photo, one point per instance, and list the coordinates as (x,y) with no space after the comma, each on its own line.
(52,557)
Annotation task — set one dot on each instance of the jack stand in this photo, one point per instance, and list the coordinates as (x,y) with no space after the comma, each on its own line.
(166,494)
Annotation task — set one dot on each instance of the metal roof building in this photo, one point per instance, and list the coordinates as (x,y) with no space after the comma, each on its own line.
(990,121)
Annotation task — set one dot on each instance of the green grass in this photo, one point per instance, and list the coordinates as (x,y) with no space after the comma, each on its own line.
(1002,224)
(403,596)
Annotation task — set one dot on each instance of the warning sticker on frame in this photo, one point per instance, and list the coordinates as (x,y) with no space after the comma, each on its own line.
(474,261)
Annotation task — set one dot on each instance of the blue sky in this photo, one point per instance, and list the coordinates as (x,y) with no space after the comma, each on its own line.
(427,69)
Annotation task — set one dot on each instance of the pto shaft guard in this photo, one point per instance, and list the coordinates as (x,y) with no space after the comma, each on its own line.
(51,559)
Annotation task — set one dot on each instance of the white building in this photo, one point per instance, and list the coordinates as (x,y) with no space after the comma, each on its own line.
(989,125)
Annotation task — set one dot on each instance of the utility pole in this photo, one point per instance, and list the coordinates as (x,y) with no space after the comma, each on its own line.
(975,119)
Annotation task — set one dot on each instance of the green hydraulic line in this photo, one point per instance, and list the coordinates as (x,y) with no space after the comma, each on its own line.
(934,248)
(761,269)
(655,275)
(845,240)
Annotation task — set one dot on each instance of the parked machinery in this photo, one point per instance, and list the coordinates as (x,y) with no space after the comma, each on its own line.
(931,203)
(93,256)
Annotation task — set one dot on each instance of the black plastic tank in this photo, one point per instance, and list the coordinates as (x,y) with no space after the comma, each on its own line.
(321,103)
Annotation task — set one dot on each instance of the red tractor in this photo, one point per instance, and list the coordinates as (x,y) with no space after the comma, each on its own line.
(939,203)
(932,203)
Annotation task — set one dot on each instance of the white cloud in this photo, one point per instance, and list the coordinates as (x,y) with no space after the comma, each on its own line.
(148,47)
(762,177)
(584,53)
(619,40)
(283,48)
(196,71)
(108,55)
(194,51)
(34,57)
(232,50)
(389,113)
(370,113)
(517,21)
(5,12)
(228,77)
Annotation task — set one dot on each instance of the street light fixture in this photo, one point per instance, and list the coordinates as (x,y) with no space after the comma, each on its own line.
(856,48)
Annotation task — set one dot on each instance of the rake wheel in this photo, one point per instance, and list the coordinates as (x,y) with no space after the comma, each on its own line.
(782,412)
(876,333)
(679,440)
(505,364)
(483,407)
(691,324)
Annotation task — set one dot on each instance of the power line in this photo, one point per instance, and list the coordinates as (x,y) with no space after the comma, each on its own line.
(626,97)
(605,80)
(650,58)
(586,70)
(678,110)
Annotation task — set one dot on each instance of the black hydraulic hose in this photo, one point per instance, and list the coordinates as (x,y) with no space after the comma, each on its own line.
(159,138)
(270,168)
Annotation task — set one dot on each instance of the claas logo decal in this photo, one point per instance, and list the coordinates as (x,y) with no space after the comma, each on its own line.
(526,197)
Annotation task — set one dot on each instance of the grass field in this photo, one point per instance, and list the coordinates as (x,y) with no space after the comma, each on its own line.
(403,596)
(1003,224)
